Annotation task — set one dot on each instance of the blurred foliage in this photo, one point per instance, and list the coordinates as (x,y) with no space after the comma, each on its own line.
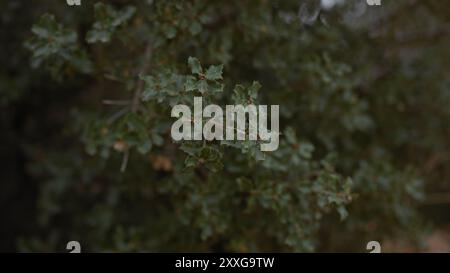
(86,98)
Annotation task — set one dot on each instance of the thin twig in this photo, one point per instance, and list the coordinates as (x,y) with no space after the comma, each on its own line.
(140,86)
(137,96)
(125,158)
(117,115)
(117,102)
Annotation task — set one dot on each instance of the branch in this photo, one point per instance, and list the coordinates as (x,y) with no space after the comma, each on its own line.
(140,86)
(137,96)
(116,102)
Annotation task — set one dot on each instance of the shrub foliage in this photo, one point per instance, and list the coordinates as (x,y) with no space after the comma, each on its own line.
(363,112)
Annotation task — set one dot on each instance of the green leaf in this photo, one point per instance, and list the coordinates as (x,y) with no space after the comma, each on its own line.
(190,83)
(195,66)
(170,31)
(214,72)
(306,150)
(145,147)
(215,87)
(189,149)
(202,86)
(253,90)
(195,28)
(240,95)
(56,46)
(107,21)
(343,213)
